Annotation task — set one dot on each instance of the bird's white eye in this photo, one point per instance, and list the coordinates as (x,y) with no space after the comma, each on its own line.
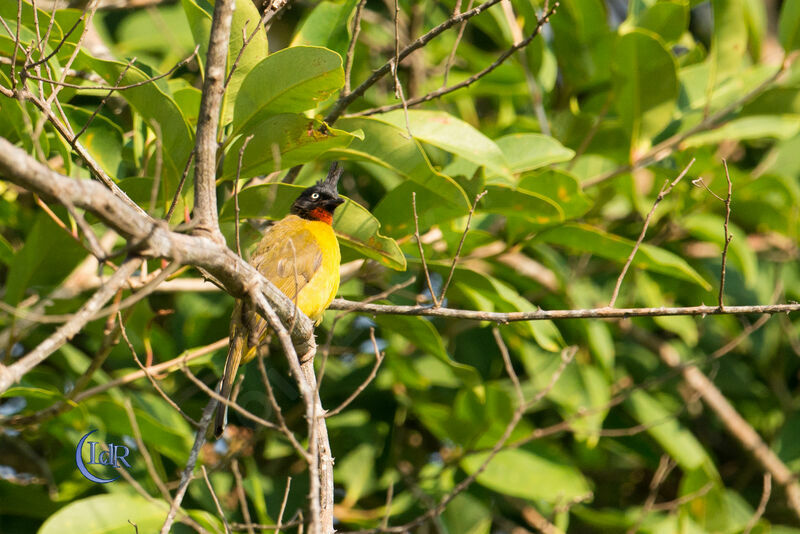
(314,196)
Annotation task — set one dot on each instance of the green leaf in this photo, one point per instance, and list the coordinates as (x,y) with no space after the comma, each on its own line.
(590,239)
(354,225)
(198,14)
(753,127)
(660,422)
(246,19)
(103,138)
(292,80)
(356,472)
(155,104)
(511,471)
(45,259)
(107,514)
(529,151)
(467,515)
(669,20)
(789,26)
(646,87)
(327,25)
(449,133)
(561,187)
(439,197)
(728,40)
(582,42)
(421,333)
(6,251)
(517,202)
(280,142)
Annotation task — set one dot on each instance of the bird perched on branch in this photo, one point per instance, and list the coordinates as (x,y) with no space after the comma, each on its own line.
(300,255)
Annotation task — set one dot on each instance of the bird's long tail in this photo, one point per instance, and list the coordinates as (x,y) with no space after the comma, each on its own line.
(238,340)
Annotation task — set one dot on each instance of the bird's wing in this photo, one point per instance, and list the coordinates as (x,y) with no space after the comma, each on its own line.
(288,256)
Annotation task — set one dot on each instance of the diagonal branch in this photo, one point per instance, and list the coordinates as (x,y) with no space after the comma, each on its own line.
(14,372)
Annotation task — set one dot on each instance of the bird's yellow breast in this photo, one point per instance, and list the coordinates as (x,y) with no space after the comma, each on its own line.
(301,257)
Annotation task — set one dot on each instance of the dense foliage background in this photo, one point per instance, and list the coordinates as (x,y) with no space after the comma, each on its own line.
(571,140)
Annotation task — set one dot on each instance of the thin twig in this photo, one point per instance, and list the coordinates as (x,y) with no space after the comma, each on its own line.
(378,359)
(460,245)
(727,236)
(421,252)
(103,101)
(665,466)
(148,460)
(175,67)
(242,497)
(216,500)
(283,504)
(345,100)
(348,63)
(150,377)
(762,505)
(175,197)
(449,63)
(466,83)
(666,147)
(665,190)
(236,192)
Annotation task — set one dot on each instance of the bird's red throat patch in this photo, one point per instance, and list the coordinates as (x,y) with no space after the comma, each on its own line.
(322,215)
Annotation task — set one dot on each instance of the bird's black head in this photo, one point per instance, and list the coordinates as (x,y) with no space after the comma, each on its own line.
(318,202)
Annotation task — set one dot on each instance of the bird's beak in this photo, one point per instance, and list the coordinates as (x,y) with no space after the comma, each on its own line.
(335,203)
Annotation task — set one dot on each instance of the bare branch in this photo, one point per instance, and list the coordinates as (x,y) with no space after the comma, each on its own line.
(762,505)
(544,315)
(242,497)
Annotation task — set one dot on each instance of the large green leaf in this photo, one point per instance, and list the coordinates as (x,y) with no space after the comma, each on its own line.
(354,225)
(789,26)
(421,333)
(245,20)
(753,127)
(518,202)
(280,142)
(728,40)
(47,256)
(327,25)
(155,104)
(668,19)
(646,87)
(660,422)
(107,514)
(451,134)
(582,42)
(103,138)
(560,187)
(590,239)
(439,197)
(529,151)
(290,81)
(530,472)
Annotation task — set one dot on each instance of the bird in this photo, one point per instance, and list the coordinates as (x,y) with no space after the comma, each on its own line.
(300,255)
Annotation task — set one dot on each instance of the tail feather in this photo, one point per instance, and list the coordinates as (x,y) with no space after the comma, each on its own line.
(235,352)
